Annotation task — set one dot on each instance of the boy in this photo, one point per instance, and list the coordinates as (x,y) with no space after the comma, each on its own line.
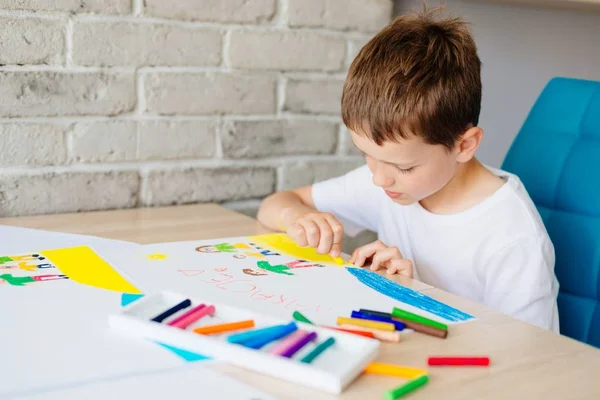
(411,102)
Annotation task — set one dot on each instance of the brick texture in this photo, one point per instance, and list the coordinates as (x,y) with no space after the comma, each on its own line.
(176,140)
(306,173)
(209,93)
(241,11)
(31,41)
(104,141)
(41,93)
(140,44)
(251,139)
(32,144)
(82,6)
(313,96)
(126,103)
(292,51)
(190,185)
(67,192)
(361,15)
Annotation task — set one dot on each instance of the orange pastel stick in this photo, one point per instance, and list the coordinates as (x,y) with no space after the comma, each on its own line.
(228,327)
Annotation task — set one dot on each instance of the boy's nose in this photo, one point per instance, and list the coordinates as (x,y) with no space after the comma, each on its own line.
(380,179)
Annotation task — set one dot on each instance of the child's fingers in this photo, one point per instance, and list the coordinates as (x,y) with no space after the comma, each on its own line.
(353,256)
(400,266)
(338,235)
(325,236)
(367,251)
(298,233)
(312,232)
(384,255)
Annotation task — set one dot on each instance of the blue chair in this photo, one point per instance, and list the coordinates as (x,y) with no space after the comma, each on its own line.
(557,156)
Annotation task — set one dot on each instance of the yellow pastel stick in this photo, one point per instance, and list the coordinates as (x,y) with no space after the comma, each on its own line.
(399,371)
(378,334)
(339,260)
(384,326)
(284,244)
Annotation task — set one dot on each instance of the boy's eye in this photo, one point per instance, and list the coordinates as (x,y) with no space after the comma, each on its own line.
(405,170)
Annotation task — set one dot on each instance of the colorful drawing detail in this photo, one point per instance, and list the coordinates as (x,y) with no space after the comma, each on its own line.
(408,296)
(23,280)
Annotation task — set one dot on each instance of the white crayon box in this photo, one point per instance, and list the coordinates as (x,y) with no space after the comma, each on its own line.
(303,353)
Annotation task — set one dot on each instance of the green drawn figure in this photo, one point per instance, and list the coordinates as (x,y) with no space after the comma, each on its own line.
(23,280)
(5,259)
(278,269)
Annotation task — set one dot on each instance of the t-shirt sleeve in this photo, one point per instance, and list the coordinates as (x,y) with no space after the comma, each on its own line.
(352,198)
(520,281)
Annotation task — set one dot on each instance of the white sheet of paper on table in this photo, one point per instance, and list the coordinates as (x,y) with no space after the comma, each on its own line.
(192,381)
(56,343)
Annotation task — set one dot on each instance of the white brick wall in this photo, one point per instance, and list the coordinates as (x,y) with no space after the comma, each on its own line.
(125,103)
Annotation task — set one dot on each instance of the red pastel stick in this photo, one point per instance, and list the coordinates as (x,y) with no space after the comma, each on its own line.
(459,361)
(359,333)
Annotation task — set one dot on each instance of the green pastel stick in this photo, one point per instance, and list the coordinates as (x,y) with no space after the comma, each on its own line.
(406,388)
(398,313)
(299,317)
(318,350)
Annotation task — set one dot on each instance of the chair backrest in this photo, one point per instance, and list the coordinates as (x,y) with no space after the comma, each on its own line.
(557,156)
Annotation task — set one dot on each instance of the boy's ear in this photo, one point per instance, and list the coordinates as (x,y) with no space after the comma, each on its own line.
(468,144)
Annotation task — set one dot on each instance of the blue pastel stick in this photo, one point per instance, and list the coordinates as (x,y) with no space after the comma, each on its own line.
(265,339)
(399,325)
(256,333)
(166,314)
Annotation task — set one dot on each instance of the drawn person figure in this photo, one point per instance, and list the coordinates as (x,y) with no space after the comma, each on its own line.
(254,272)
(223,248)
(23,280)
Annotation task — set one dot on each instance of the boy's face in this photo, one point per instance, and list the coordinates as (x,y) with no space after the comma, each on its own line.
(409,171)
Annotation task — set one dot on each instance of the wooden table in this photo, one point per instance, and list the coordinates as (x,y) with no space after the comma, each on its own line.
(527,362)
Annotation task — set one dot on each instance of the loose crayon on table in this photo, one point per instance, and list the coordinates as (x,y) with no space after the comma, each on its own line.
(321,347)
(399,371)
(227,327)
(167,313)
(299,317)
(398,313)
(373,312)
(267,338)
(384,326)
(386,336)
(187,318)
(245,336)
(299,343)
(406,388)
(415,326)
(421,328)
(397,324)
(459,361)
(352,331)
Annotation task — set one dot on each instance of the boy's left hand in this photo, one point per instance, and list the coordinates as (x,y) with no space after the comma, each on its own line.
(382,256)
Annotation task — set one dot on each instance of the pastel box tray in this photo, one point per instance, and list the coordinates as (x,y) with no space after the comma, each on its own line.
(332,371)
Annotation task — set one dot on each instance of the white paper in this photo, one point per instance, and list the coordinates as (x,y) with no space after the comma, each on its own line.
(321,293)
(191,381)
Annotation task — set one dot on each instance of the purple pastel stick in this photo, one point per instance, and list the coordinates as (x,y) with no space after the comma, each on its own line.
(300,343)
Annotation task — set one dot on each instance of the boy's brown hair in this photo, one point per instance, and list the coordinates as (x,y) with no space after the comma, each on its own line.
(418,76)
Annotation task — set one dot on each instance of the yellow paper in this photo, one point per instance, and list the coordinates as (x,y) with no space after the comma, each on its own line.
(283,244)
(81,264)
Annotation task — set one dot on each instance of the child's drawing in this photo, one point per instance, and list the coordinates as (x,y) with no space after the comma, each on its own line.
(23,280)
(239,250)
(288,277)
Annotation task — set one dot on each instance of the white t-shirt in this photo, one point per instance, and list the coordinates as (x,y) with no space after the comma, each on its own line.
(496,253)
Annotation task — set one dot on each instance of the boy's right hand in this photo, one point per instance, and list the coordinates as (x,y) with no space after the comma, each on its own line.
(318,230)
